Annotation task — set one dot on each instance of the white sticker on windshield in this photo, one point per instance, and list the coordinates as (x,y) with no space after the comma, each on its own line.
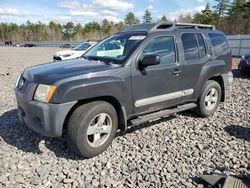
(137,38)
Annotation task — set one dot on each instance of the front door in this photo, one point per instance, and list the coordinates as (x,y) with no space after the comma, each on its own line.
(158,86)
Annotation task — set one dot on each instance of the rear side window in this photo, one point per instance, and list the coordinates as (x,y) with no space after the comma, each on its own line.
(219,42)
(164,47)
(190,45)
(202,46)
(194,46)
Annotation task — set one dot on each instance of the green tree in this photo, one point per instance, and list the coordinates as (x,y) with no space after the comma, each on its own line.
(106,27)
(222,7)
(147,18)
(164,18)
(55,31)
(238,17)
(119,26)
(68,30)
(130,19)
(186,18)
(207,16)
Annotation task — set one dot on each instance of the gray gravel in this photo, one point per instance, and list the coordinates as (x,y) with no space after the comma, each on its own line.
(166,153)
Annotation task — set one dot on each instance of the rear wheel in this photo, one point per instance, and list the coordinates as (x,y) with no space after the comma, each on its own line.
(243,72)
(209,99)
(92,128)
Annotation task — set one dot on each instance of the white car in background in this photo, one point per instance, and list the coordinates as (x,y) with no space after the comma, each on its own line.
(74,53)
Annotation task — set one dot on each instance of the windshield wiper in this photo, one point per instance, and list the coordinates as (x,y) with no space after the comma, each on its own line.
(96,58)
(85,57)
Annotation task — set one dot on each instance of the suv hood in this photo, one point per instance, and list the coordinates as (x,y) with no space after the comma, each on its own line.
(52,72)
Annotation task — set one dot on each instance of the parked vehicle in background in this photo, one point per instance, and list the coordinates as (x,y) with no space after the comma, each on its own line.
(28,45)
(244,65)
(144,72)
(66,46)
(74,53)
(8,43)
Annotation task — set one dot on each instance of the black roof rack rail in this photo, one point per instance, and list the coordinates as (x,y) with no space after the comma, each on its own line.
(163,26)
(179,25)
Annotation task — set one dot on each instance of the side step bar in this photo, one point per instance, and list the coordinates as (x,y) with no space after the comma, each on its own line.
(161,114)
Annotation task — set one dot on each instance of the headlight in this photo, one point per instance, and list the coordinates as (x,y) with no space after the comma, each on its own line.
(44,93)
(17,81)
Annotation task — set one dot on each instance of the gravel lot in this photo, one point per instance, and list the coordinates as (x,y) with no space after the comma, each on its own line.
(166,153)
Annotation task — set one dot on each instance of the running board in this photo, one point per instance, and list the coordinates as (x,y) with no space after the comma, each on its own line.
(161,114)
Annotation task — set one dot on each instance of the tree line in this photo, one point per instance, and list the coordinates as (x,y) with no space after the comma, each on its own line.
(231,17)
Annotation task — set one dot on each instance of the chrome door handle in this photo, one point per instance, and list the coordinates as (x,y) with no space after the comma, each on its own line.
(177,72)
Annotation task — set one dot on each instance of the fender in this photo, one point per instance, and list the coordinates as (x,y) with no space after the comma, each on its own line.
(209,70)
(96,85)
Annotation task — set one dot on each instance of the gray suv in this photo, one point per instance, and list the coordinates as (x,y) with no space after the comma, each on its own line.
(143,73)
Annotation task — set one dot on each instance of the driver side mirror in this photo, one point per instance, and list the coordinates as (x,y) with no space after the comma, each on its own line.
(149,60)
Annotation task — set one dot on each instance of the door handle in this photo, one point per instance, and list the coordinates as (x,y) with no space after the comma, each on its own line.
(177,72)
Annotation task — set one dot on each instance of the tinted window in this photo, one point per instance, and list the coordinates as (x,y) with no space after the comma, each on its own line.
(190,45)
(219,42)
(202,46)
(162,46)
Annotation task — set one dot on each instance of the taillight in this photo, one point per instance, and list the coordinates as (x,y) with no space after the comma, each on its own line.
(230,62)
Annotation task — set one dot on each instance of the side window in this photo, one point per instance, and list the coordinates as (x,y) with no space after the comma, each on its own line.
(202,46)
(219,42)
(190,45)
(162,46)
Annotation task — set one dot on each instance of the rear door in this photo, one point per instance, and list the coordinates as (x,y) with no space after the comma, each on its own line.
(195,56)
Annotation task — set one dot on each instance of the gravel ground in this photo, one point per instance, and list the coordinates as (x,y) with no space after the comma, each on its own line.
(167,153)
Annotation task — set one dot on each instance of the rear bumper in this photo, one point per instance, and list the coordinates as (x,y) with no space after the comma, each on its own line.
(228,81)
(46,119)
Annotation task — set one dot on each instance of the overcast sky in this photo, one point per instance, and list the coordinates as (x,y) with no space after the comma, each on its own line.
(83,11)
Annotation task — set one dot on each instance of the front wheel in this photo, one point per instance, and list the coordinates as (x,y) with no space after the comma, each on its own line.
(92,128)
(209,99)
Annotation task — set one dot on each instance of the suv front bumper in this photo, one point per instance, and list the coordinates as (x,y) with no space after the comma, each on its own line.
(46,119)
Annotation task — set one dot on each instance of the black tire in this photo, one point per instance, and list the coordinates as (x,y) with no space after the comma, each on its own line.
(243,72)
(201,108)
(78,125)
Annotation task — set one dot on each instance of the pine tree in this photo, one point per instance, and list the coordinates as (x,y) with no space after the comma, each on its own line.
(164,18)
(222,7)
(147,17)
(206,16)
(69,30)
(130,19)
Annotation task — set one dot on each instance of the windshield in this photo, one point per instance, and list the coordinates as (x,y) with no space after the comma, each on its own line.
(115,49)
(81,47)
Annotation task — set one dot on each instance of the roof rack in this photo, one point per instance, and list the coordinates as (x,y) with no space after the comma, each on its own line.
(179,25)
(163,26)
